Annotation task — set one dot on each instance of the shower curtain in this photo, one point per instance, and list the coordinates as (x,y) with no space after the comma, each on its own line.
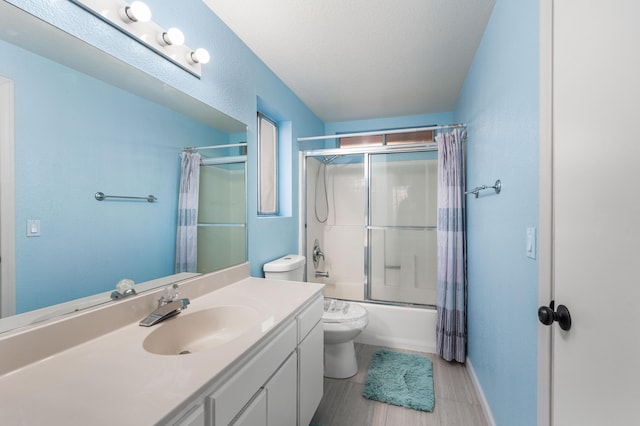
(187,234)
(452,253)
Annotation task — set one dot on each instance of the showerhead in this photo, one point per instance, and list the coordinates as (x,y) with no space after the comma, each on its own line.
(328,160)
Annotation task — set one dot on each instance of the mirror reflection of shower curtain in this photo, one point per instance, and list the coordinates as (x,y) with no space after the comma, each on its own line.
(402,227)
(186,234)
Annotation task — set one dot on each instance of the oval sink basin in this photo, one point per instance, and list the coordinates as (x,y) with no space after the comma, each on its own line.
(202,330)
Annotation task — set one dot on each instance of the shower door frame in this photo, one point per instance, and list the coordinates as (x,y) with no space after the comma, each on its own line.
(366,152)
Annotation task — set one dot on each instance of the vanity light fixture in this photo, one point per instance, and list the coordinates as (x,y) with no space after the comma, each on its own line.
(137,11)
(172,37)
(199,56)
(134,19)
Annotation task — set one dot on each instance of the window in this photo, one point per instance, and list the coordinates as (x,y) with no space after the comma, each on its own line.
(267,166)
(423,136)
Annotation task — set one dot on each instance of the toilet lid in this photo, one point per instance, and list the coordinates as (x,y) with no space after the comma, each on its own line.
(341,311)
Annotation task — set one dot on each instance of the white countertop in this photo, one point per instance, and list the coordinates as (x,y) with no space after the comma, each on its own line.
(112,380)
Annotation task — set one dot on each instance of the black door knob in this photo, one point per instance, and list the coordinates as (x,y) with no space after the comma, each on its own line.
(547,315)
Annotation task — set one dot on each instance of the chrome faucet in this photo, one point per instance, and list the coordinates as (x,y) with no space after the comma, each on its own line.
(164,312)
(168,306)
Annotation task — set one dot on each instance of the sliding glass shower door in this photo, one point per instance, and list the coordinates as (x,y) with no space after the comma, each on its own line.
(335,219)
(386,200)
(401,227)
(222,230)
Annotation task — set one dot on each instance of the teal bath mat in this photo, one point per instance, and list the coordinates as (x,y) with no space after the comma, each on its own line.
(400,379)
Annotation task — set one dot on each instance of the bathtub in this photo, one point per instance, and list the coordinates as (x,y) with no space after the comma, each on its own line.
(389,325)
(400,327)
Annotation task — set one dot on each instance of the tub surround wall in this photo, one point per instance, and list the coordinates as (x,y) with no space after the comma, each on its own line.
(342,234)
(313,229)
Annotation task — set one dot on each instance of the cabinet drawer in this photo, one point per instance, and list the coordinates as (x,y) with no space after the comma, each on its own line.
(226,402)
(310,317)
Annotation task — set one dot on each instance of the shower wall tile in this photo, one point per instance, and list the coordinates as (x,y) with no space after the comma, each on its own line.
(346,194)
(344,251)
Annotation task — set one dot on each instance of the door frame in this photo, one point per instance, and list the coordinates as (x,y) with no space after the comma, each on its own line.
(7,200)
(545,240)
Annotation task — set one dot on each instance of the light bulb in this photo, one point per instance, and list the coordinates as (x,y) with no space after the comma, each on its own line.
(199,56)
(173,36)
(137,11)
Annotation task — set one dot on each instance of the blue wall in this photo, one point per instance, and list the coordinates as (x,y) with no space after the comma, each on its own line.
(499,103)
(233,82)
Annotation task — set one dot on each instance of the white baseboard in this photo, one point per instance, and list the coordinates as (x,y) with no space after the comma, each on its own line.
(483,400)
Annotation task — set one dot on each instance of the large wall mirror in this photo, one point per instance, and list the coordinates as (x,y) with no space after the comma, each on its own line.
(85,122)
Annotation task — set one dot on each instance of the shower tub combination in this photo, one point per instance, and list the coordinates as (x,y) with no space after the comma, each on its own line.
(369,233)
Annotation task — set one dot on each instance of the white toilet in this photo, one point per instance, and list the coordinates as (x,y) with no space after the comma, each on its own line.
(342,321)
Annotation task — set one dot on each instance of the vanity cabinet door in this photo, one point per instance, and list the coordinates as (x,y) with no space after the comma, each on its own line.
(310,373)
(256,412)
(226,402)
(282,394)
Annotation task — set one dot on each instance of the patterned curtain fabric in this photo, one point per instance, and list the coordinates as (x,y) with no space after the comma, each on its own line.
(187,234)
(452,251)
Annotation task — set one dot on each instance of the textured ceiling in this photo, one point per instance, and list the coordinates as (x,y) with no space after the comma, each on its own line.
(361,59)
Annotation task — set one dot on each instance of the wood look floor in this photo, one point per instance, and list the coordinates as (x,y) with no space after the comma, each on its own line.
(456,401)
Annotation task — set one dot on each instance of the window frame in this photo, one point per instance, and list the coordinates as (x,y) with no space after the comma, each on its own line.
(273,154)
(384,139)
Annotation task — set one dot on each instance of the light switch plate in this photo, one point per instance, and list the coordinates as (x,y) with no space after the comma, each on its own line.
(33,228)
(531,242)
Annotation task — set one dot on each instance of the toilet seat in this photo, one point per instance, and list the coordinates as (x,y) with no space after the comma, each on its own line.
(339,311)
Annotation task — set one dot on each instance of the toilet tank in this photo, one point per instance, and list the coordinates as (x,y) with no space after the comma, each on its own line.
(289,267)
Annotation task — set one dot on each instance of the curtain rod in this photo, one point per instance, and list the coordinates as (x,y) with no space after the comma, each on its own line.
(381,132)
(198,148)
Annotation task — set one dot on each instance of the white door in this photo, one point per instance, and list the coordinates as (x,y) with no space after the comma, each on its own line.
(596,211)
(7,200)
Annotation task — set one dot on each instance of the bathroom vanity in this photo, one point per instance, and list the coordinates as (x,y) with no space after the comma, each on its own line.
(247,351)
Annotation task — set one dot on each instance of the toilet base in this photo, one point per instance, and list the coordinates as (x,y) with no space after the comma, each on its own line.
(340,360)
